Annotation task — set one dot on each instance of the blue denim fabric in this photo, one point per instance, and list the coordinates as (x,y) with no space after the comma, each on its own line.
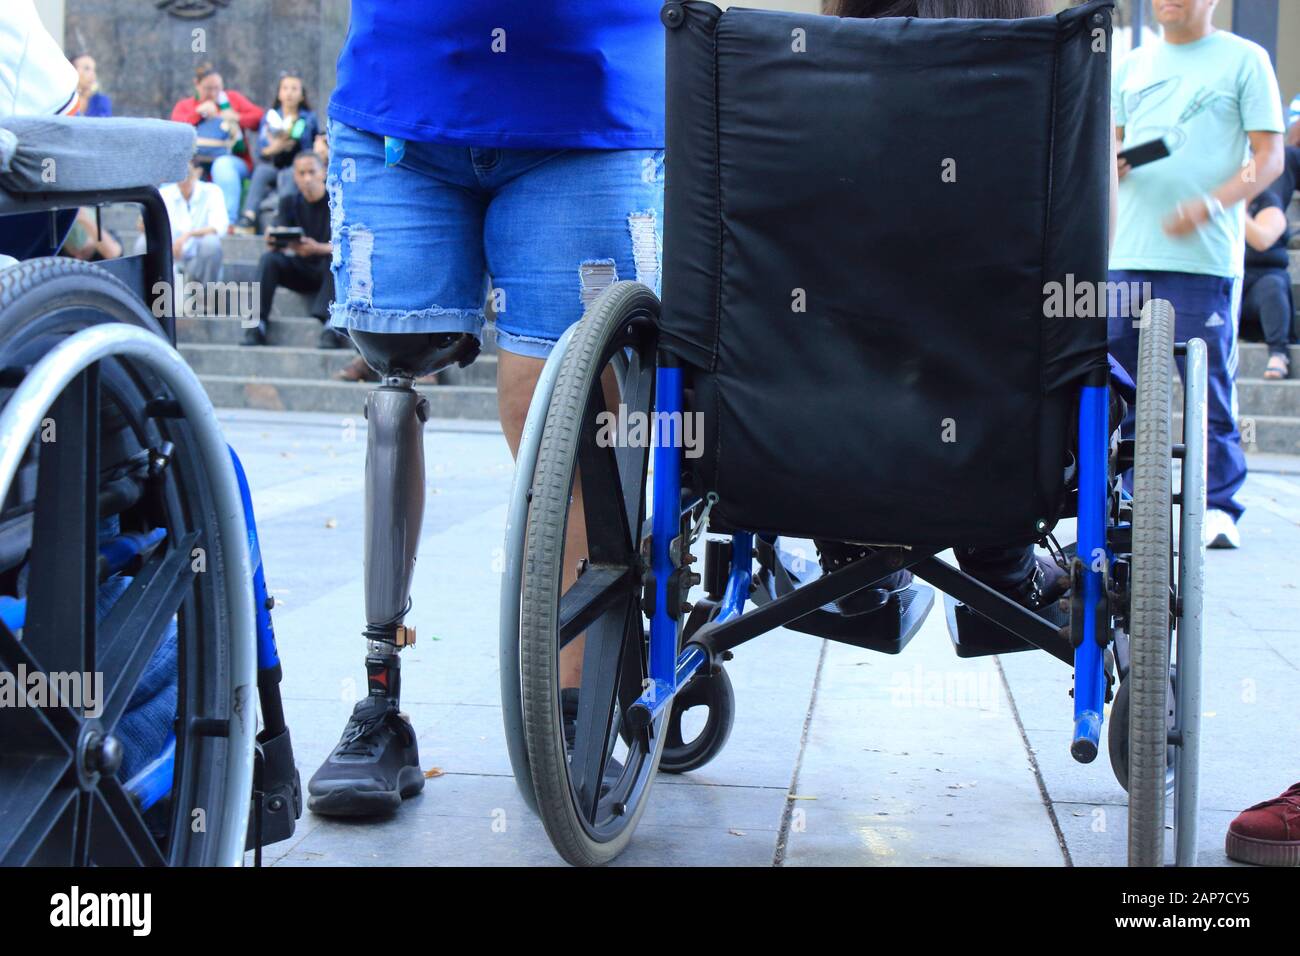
(1205,307)
(415,241)
(229,172)
(151,709)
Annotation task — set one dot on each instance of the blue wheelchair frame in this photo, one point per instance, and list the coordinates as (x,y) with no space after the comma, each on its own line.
(670,669)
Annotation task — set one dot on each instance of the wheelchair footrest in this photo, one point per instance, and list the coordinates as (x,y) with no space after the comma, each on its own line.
(887,629)
(277,792)
(974,635)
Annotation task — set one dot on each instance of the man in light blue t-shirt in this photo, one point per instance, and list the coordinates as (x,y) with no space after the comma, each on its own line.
(1213,99)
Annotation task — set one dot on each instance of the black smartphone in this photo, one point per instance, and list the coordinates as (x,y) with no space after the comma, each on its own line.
(281,236)
(1144,153)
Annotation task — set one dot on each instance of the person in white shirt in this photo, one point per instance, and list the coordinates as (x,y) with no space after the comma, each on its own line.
(36,79)
(197,212)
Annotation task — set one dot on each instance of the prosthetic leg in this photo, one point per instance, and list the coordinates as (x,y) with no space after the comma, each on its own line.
(376,763)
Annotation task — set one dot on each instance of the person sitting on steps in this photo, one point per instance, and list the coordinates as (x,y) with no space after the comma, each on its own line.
(303,265)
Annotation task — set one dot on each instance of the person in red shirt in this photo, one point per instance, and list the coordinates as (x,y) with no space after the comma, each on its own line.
(221,119)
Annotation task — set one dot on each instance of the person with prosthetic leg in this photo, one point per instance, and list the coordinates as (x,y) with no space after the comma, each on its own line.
(376,763)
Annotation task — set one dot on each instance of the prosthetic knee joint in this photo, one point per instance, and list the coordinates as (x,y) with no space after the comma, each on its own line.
(395,416)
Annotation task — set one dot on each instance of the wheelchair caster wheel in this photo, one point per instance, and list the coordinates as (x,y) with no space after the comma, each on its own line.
(714,694)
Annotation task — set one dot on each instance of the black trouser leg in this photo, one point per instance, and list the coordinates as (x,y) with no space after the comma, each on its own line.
(307,275)
(999,568)
(1266,299)
(320,306)
(269,270)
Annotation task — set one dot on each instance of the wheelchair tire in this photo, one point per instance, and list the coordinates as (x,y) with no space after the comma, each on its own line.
(589,804)
(53,809)
(1150,615)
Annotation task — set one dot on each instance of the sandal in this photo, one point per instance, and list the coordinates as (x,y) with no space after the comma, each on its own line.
(1278,368)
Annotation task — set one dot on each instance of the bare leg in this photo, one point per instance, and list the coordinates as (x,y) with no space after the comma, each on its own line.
(517,377)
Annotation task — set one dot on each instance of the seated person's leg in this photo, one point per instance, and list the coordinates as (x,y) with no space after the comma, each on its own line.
(1016,572)
(229,172)
(270,270)
(204,262)
(1269,300)
(834,555)
(263,179)
(410,284)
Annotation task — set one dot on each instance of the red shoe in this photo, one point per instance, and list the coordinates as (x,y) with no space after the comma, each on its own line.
(1267,834)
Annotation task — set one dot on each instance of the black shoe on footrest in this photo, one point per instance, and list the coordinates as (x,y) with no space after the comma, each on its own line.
(833,555)
(1043,592)
(375,766)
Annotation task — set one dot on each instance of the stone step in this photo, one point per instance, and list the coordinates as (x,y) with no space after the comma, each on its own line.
(341,398)
(309,363)
(1253,356)
(1271,434)
(228,330)
(1255,397)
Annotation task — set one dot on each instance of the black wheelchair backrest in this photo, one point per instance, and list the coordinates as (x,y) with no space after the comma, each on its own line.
(861,220)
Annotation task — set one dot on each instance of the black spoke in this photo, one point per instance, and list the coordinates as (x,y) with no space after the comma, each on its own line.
(120,835)
(591,595)
(600,671)
(60,630)
(33,803)
(35,730)
(135,627)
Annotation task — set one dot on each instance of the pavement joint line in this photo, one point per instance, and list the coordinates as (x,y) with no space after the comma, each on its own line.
(792,794)
(1033,764)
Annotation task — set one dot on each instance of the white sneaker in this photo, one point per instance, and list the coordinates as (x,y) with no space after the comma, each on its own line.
(1220,530)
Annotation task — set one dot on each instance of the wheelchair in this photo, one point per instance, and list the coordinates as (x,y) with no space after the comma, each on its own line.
(128,545)
(903,410)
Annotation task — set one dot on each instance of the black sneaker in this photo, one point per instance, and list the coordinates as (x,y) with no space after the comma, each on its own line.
(255,335)
(833,555)
(374,767)
(569,714)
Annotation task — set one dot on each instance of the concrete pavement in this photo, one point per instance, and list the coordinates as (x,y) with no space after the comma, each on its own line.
(838,755)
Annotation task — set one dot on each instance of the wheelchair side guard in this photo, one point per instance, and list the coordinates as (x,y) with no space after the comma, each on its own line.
(277,786)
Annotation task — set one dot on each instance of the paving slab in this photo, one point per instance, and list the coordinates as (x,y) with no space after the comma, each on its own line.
(838,756)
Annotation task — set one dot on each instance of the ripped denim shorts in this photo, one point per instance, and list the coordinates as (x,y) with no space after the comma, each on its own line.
(425,234)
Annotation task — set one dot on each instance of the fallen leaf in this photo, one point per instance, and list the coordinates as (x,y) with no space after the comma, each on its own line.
(736,832)
(433,772)
(331,522)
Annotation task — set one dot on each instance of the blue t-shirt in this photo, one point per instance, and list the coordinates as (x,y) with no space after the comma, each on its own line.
(582,74)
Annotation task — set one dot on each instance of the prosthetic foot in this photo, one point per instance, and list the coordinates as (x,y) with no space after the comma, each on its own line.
(376,763)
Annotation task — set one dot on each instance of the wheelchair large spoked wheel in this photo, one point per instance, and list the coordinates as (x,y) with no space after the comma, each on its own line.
(1151,690)
(102,435)
(589,775)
